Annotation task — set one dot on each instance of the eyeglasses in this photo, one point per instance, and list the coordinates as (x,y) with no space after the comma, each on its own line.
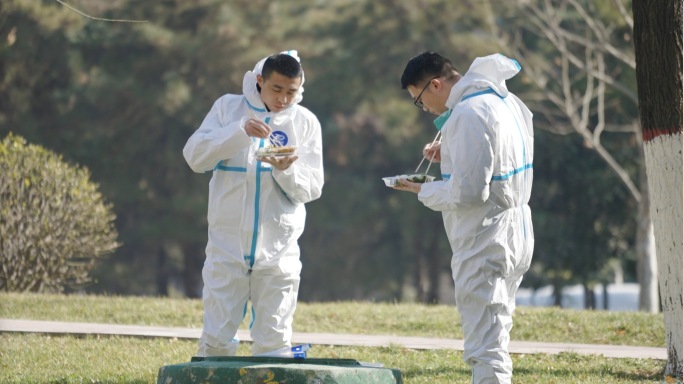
(417,100)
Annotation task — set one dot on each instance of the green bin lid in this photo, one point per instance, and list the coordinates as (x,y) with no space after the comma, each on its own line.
(253,370)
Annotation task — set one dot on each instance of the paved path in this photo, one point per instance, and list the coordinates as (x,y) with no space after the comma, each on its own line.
(522,347)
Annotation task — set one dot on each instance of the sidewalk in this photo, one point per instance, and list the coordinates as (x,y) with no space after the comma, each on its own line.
(518,347)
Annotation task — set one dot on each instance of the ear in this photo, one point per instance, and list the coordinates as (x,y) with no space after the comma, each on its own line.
(260,80)
(437,83)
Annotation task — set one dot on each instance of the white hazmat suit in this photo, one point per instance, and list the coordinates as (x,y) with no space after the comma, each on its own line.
(256,215)
(486,165)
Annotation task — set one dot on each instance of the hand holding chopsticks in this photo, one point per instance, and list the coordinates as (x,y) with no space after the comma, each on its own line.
(257,128)
(437,139)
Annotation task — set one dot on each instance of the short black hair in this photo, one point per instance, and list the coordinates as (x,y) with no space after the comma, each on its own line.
(282,63)
(425,66)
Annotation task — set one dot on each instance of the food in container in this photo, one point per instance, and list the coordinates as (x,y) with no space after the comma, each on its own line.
(275,150)
(420,178)
(415,178)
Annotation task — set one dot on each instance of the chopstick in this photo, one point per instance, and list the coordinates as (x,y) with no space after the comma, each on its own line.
(432,158)
(273,139)
(433,154)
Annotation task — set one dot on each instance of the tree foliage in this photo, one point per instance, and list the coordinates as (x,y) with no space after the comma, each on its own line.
(54,223)
(124,98)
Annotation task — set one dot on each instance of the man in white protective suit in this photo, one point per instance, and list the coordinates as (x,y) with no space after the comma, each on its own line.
(486,156)
(256,205)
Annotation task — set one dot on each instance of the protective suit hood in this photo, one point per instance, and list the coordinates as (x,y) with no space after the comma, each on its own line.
(485,72)
(249,84)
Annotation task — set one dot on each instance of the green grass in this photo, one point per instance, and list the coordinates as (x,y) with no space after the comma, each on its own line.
(35,358)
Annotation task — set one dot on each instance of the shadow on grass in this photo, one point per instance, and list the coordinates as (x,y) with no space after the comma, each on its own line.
(596,373)
(562,375)
(441,371)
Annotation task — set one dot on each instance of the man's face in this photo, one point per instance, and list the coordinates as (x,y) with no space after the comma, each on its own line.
(429,95)
(278,92)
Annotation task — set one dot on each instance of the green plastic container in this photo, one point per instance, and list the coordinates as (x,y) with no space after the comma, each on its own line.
(265,370)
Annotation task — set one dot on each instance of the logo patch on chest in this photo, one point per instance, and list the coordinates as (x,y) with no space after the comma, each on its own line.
(279,138)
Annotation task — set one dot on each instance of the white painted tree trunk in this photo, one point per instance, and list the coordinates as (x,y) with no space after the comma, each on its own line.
(647,267)
(647,263)
(664,168)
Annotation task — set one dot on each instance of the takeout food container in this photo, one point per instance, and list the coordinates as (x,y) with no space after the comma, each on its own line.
(416,178)
(275,150)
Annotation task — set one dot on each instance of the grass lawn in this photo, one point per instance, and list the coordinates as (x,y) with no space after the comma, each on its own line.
(36,358)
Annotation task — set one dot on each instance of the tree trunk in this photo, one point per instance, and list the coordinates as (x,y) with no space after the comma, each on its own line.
(558,295)
(647,264)
(658,52)
(665,182)
(192,269)
(434,266)
(418,265)
(162,272)
(589,297)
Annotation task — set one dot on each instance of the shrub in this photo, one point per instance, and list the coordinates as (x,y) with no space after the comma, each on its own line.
(54,225)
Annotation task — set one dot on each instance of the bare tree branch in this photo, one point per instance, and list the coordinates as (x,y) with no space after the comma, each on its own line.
(600,33)
(99,18)
(575,85)
(548,24)
(601,107)
(628,18)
